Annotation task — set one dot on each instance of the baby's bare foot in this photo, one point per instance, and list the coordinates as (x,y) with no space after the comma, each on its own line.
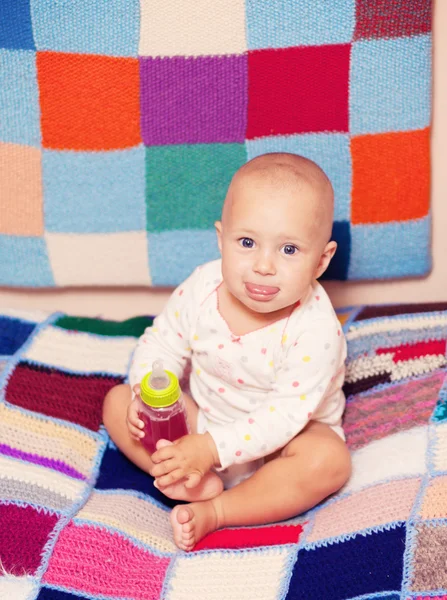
(210,486)
(193,522)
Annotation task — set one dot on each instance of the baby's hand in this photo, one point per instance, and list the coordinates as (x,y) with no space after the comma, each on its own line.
(133,421)
(190,458)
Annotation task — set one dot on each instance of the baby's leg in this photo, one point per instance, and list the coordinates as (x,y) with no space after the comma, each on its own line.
(115,407)
(312,466)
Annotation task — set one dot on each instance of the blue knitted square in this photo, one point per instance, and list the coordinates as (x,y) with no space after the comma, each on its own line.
(118,472)
(365,564)
(291,23)
(19,97)
(13,334)
(110,27)
(16,29)
(329,150)
(387,250)
(390,85)
(194,246)
(24,261)
(51,594)
(111,182)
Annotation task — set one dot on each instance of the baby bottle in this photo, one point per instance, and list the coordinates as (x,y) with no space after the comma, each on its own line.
(161,407)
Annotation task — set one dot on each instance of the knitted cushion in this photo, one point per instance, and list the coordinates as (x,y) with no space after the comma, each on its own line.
(78,520)
(123,121)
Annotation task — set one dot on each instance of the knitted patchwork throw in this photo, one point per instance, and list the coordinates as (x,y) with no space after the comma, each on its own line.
(123,121)
(78,520)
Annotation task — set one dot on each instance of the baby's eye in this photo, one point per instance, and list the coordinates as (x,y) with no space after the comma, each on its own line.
(246,242)
(289,249)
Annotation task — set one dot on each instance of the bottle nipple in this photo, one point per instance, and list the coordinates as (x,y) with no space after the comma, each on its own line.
(159,379)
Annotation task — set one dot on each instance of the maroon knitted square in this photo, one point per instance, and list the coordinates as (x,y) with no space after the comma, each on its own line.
(56,393)
(24,532)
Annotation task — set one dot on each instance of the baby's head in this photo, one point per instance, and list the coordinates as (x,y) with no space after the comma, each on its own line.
(275,231)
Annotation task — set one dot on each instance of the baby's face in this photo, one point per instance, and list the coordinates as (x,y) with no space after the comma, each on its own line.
(271,243)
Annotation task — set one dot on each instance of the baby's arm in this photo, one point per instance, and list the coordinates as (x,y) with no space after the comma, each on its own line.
(312,363)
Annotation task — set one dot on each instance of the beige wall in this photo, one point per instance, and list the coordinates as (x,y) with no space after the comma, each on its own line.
(118,304)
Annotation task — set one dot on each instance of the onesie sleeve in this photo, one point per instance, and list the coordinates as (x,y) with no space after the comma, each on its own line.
(311,370)
(168,337)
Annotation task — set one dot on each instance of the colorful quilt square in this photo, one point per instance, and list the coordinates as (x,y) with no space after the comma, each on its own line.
(405,454)
(38,482)
(17,34)
(314,78)
(133,327)
(176,28)
(67,450)
(88,102)
(13,334)
(193,100)
(291,23)
(95,258)
(44,390)
(80,352)
(339,265)
(261,573)
(392,18)
(32,256)
(378,413)
(19,97)
(388,250)
(331,151)
(131,570)
(368,508)
(21,185)
(21,552)
(429,572)
(131,515)
(390,85)
(112,182)
(251,537)
(194,246)
(366,564)
(434,504)
(100,27)
(186,185)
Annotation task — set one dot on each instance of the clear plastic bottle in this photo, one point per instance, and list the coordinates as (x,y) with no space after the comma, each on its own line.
(162,408)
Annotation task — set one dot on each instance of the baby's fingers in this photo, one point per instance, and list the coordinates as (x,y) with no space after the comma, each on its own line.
(135,432)
(193,480)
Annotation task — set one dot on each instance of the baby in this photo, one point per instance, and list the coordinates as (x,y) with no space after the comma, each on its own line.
(267,357)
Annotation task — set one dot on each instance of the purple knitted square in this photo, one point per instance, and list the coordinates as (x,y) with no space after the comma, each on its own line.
(193,100)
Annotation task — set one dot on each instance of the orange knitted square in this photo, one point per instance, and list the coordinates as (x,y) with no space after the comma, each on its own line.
(21,190)
(391,176)
(88,102)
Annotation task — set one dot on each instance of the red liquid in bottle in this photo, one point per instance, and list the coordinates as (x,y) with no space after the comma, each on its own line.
(171,428)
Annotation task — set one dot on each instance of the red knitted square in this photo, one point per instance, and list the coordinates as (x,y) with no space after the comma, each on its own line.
(24,532)
(298,90)
(55,393)
(250,537)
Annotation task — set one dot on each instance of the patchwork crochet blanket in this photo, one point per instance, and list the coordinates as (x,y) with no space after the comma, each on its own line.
(78,520)
(123,121)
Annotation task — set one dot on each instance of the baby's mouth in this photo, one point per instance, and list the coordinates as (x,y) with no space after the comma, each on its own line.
(261,292)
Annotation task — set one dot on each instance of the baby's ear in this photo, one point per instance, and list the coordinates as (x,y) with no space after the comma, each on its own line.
(218,226)
(325,258)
